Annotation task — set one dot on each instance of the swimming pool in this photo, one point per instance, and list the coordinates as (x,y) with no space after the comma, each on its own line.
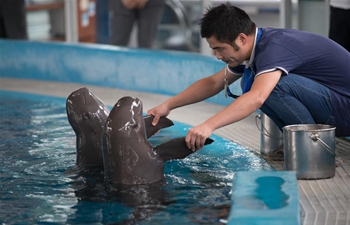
(40,183)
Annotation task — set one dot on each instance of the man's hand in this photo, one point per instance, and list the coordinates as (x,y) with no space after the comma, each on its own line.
(157,112)
(196,136)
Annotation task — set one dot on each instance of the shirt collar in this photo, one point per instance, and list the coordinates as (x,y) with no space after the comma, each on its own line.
(249,62)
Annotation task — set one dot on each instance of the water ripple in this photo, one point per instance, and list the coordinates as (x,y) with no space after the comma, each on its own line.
(39,182)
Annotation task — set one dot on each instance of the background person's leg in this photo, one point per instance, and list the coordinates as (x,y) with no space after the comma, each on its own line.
(339,27)
(299,100)
(121,21)
(13,22)
(149,19)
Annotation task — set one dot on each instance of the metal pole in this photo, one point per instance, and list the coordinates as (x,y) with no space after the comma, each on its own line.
(204,46)
(71,20)
(286,13)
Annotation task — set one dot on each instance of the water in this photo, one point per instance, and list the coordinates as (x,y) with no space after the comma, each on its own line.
(40,184)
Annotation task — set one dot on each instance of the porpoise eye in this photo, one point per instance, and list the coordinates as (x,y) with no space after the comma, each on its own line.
(85,116)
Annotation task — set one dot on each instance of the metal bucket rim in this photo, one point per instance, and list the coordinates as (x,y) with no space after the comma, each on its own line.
(304,127)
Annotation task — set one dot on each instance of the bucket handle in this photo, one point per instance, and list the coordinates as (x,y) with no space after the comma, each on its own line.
(263,131)
(316,137)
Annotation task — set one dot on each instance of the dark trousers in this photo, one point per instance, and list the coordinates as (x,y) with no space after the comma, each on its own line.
(13,24)
(122,21)
(339,30)
(299,100)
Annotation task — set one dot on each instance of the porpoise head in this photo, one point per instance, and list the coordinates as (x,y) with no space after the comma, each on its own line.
(87,115)
(126,116)
(128,156)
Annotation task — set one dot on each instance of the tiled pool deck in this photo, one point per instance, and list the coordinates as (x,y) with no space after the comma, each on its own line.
(325,201)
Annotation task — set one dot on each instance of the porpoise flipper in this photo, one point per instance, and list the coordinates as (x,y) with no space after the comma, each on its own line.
(176,149)
(150,129)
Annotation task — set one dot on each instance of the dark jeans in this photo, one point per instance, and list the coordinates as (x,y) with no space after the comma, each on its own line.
(299,100)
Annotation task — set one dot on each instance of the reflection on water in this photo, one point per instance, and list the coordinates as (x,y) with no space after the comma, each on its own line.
(39,181)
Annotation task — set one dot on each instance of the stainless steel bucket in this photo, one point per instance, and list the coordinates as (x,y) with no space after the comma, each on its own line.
(309,149)
(271,138)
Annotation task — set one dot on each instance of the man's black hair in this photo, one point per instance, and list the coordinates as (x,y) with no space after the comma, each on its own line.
(225,22)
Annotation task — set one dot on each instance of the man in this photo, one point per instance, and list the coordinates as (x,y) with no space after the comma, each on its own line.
(294,77)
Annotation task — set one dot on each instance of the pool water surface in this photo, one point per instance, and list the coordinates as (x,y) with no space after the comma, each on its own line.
(40,184)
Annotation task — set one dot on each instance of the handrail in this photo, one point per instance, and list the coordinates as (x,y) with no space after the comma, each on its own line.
(180,12)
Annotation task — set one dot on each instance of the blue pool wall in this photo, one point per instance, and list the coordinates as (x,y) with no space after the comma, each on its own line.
(154,71)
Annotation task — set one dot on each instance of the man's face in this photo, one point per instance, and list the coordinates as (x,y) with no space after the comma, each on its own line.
(233,54)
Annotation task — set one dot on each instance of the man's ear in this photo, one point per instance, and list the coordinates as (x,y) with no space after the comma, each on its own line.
(242,38)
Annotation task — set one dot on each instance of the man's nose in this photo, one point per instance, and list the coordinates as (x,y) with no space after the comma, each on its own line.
(218,55)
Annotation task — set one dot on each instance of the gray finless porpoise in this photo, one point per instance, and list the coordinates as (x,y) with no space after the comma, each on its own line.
(129,158)
(87,115)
